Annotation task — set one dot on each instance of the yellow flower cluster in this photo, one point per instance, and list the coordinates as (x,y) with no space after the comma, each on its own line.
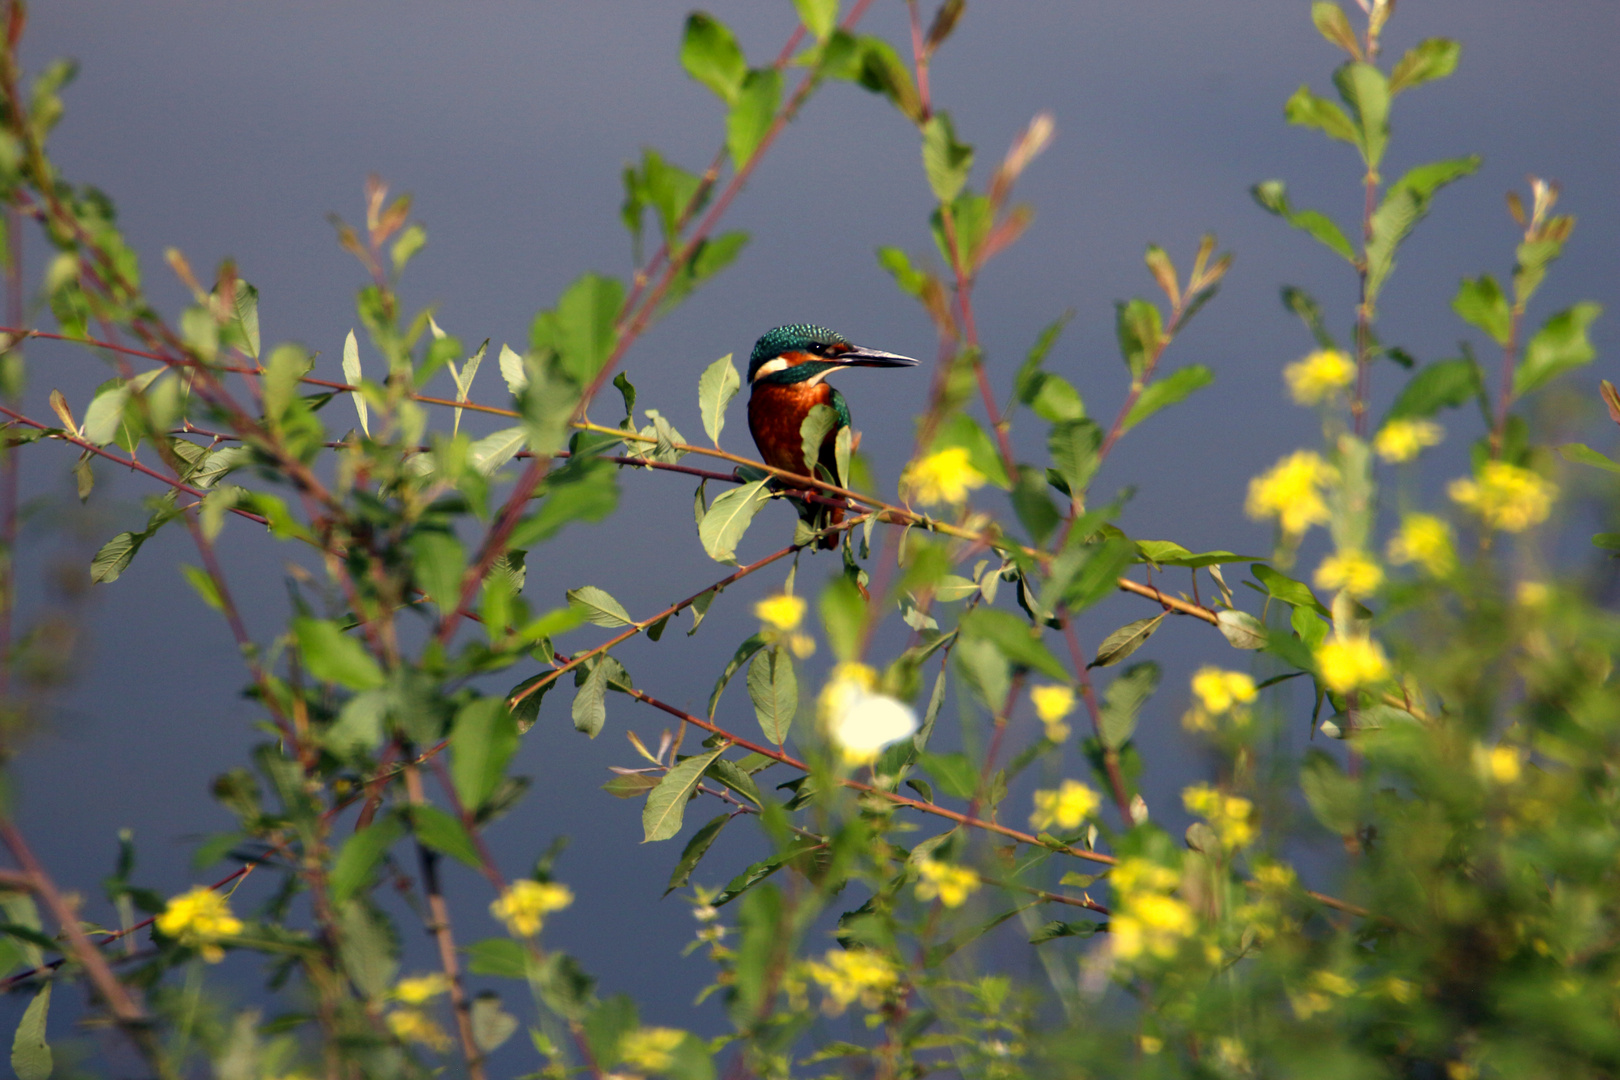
(858,720)
(1319,376)
(1403,440)
(1053,703)
(1065,808)
(1426,540)
(199,919)
(943,477)
(1349,662)
(1291,492)
(1322,988)
(850,975)
(1506,497)
(951,884)
(1351,571)
(1147,919)
(1231,816)
(416,1026)
(525,904)
(420,989)
(1217,692)
(652,1049)
(779,617)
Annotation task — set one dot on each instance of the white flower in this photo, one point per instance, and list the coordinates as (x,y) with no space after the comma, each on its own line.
(859,721)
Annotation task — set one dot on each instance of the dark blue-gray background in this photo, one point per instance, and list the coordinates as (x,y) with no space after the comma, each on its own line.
(233,129)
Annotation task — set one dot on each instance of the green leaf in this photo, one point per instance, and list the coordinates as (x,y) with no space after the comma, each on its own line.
(661,818)
(1424,180)
(731,774)
(1440,385)
(718,385)
(843,615)
(710,54)
(1284,588)
(204,585)
(1058,929)
(818,423)
(438,830)
(775,692)
(946,161)
(1366,91)
(587,489)
(696,848)
(105,414)
(247,317)
(594,680)
(1123,700)
(501,958)
(488,454)
(581,331)
(1581,454)
(1272,195)
(728,519)
(1332,24)
(1126,640)
(1167,391)
(752,113)
(1017,640)
(1429,59)
(747,649)
(820,17)
(1140,330)
(482,741)
(1242,630)
(1480,302)
(954,773)
(438,563)
(1406,202)
(359,855)
(1332,796)
(1559,346)
(964,431)
(30,1053)
(332,656)
(491,1024)
(512,370)
(1306,109)
(883,72)
(351,375)
(598,607)
(1074,445)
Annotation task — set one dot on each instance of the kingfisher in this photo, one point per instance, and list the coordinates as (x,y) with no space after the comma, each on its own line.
(787,378)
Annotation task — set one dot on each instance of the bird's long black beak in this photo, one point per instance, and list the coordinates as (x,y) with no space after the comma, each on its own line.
(874,358)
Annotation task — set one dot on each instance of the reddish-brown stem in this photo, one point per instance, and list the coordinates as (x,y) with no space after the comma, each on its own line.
(1088,694)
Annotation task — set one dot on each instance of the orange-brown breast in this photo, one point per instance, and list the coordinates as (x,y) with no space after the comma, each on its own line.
(775,417)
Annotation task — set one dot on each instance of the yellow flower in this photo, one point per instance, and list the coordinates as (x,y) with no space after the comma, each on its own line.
(1426,540)
(1052,704)
(951,884)
(849,975)
(946,476)
(1506,497)
(1292,492)
(1066,807)
(1218,691)
(1146,918)
(416,1026)
(859,721)
(1504,764)
(1319,376)
(651,1049)
(421,989)
(782,612)
(198,919)
(525,904)
(1349,662)
(1403,440)
(1351,571)
(1231,816)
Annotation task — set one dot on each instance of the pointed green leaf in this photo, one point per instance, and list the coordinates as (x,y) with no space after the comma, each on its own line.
(747,649)
(1123,700)
(696,848)
(488,454)
(1429,59)
(710,54)
(946,161)
(718,385)
(728,519)
(581,331)
(1306,109)
(1167,391)
(445,834)
(482,741)
(351,375)
(332,656)
(775,692)
(1074,445)
(666,806)
(1365,90)
(1019,642)
(1440,385)
(105,414)
(1480,302)
(512,370)
(1559,346)
(359,855)
(598,607)
(1126,640)
(1140,330)
(752,114)
(30,1053)
(1581,454)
